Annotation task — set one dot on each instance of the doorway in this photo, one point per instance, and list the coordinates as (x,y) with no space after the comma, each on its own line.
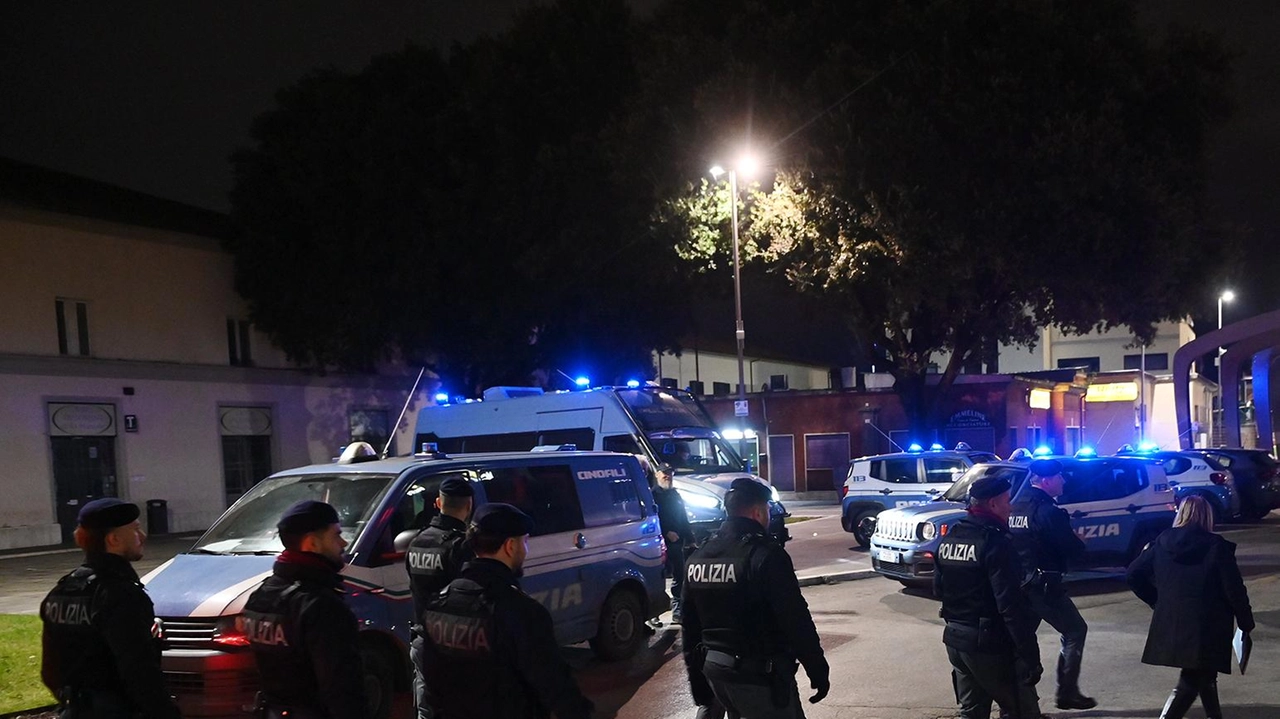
(84,468)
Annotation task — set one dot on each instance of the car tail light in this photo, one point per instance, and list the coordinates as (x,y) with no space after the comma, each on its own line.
(1218,478)
(844,491)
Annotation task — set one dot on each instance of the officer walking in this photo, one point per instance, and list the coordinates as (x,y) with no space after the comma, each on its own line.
(990,628)
(1047,546)
(676,531)
(490,649)
(435,558)
(101,658)
(303,635)
(745,622)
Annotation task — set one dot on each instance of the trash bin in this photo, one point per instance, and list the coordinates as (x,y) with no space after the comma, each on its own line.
(157,516)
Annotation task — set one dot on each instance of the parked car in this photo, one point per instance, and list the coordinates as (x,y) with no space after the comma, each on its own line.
(1256,474)
(1190,473)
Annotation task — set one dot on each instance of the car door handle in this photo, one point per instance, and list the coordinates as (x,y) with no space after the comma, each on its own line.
(886,491)
(931,491)
(580,540)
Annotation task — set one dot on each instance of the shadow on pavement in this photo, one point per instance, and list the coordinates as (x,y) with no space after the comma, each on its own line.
(1252,711)
(612,684)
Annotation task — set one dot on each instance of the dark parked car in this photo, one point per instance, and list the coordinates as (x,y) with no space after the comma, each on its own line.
(1257,477)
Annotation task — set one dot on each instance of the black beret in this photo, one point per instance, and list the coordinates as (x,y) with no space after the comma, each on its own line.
(754,491)
(988,487)
(457,487)
(1046,467)
(306,516)
(503,520)
(107,513)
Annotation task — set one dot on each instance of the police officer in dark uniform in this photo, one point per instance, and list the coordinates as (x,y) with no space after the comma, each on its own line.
(990,628)
(101,656)
(673,517)
(435,558)
(490,649)
(302,633)
(1048,546)
(745,622)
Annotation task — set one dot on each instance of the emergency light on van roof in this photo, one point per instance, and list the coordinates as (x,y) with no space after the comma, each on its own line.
(936,447)
(633,383)
(915,447)
(1086,452)
(442,397)
(1043,450)
(583,382)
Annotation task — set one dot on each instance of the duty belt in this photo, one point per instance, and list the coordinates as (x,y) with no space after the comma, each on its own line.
(749,665)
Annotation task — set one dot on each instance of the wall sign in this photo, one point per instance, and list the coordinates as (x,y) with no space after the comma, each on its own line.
(82,420)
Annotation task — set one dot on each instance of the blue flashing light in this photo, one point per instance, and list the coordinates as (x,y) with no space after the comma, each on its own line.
(442,397)
(583,382)
(936,447)
(1086,452)
(1146,447)
(915,447)
(1042,451)
(633,383)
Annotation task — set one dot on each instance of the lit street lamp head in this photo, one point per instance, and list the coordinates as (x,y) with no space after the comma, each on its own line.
(1228,296)
(717,171)
(748,165)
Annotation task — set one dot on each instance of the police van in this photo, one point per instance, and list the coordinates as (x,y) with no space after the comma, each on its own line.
(666,425)
(900,479)
(1116,504)
(595,561)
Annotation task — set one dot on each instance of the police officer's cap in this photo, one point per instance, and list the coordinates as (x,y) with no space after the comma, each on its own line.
(307,516)
(1046,467)
(107,513)
(988,487)
(457,487)
(503,520)
(751,490)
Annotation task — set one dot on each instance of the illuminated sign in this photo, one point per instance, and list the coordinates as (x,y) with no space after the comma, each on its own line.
(1112,392)
(1039,399)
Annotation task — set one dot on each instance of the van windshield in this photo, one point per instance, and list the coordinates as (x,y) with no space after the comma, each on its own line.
(658,409)
(249,527)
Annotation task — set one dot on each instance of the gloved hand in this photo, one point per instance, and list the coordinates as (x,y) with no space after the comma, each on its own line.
(1029,673)
(819,678)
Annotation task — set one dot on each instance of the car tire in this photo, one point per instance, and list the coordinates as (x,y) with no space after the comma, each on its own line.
(1253,514)
(861,531)
(621,633)
(379,686)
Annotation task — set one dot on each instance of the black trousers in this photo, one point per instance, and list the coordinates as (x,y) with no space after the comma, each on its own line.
(748,700)
(980,679)
(419,684)
(1056,608)
(1192,683)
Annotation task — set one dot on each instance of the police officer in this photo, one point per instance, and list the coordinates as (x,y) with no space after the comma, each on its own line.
(101,656)
(435,558)
(302,633)
(489,649)
(673,517)
(990,628)
(745,622)
(1048,546)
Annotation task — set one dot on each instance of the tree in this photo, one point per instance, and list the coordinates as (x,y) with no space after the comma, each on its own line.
(460,210)
(959,173)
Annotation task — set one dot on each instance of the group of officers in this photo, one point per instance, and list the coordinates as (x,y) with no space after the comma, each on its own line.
(481,647)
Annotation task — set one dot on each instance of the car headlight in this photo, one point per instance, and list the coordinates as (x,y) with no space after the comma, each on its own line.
(928,531)
(773,493)
(698,499)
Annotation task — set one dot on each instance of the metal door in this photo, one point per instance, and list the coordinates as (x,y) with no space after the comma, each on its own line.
(84,468)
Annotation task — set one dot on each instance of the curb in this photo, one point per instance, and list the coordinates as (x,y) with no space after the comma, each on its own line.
(836,577)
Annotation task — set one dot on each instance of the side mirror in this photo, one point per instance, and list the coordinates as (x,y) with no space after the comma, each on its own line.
(398,548)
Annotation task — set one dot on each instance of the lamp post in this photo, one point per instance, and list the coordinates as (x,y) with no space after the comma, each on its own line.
(1227,296)
(746,164)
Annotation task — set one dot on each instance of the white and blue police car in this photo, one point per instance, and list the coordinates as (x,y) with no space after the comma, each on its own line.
(1116,504)
(595,561)
(1190,473)
(900,479)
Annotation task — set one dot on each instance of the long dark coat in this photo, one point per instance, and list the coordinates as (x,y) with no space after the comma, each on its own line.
(1191,580)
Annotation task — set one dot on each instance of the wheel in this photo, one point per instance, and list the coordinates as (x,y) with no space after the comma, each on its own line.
(864,527)
(378,684)
(1253,513)
(621,626)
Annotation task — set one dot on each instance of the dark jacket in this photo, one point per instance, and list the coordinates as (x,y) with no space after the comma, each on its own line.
(672,515)
(1190,577)
(305,639)
(490,650)
(97,637)
(1042,533)
(434,558)
(979,580)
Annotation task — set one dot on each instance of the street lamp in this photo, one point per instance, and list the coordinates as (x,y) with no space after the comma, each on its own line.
(1227,296)
(747,164)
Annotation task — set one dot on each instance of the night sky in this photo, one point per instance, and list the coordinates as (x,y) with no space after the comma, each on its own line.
(154,95)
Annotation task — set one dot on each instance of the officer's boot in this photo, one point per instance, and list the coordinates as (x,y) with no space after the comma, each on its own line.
(1069,696)
(1180,700)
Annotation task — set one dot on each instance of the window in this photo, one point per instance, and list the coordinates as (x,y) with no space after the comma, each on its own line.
(1090,363)
(777,381)
(73,327)
(610,500)
(720,389)
(898,471)
(670,382)
(246,460)
(1173,466)
(697,387)
(1097,482)
(544,492)
(943,471)
(1155,361)
(623,443)
(1033,437)
(370,425)
(238,350)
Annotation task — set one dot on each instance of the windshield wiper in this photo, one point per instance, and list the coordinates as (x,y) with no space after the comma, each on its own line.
(256,552)
(201,550)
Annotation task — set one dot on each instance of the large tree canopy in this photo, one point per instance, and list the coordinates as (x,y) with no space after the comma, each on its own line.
(959,173)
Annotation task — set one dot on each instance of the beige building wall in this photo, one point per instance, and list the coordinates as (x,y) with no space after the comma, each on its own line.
(711,367)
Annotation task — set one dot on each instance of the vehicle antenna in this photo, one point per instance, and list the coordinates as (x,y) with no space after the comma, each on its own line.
(403,409)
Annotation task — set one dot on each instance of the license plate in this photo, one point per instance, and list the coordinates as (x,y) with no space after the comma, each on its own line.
(889,555)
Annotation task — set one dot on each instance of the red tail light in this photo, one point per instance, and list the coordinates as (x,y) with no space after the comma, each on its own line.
(1218,478)
(844,491)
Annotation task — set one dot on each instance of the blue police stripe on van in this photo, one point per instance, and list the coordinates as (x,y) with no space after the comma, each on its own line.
(191,579)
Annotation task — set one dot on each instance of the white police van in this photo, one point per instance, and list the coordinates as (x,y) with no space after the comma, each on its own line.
(663,424)
(595,561)
(1116,504)
(900,479)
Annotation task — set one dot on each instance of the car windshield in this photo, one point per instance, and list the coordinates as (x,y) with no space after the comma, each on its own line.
(959,491)
(249,527)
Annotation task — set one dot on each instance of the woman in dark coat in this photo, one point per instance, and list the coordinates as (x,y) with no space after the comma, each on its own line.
(1190,578)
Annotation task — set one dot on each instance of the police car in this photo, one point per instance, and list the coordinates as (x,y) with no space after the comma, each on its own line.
(1117,505)
(1190,473)
(595,561)
(901,479)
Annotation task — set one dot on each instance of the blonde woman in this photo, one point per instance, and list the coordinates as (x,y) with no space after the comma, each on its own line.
(1189,576)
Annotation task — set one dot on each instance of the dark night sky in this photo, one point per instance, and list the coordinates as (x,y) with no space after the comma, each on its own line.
(154,94)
